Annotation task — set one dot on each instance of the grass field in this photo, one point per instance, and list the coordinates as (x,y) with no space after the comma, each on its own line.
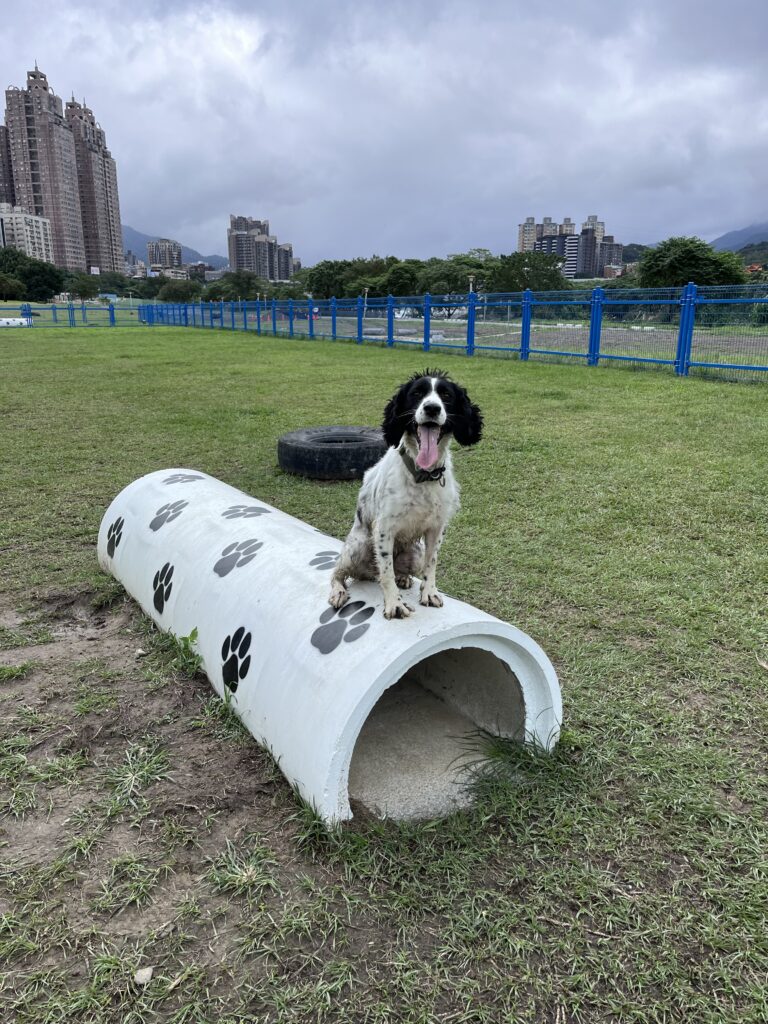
(619,518)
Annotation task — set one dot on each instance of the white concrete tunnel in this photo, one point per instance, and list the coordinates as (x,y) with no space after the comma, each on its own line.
(351,705)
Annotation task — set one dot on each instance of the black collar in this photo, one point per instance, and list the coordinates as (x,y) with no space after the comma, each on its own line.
(422,476)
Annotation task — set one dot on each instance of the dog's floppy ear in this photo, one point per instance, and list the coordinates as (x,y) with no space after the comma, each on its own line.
(467,419)
(395,418)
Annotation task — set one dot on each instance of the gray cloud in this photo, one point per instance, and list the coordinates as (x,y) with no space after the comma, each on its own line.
(418,128)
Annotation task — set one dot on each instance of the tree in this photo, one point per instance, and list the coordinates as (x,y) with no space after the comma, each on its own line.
(41,280)
(83,286)
(539,271)
(675,262)
(180,291)
(11,287)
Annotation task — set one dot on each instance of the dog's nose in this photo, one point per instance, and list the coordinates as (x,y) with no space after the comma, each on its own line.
(432,409)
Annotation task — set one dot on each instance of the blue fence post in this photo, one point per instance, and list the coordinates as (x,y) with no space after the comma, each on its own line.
(274,316)
(245,315)
(54,313)
(83,313)
(71,313)
(525,324)
(685,333)
(231,315)
(258,316)
(595,326)
(360,311)
(333,317)
(390,320)
(311,317)
(427,321)
(111,315)
(471,315)
(290,318)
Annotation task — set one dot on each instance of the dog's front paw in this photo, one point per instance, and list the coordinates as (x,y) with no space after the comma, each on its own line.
(397,610)
(404,582)
(430,598)
(338,596)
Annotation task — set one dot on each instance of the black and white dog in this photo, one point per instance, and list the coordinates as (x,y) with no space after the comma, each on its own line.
(409,496)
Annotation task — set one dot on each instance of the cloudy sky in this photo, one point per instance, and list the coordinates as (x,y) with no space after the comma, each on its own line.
(416,128)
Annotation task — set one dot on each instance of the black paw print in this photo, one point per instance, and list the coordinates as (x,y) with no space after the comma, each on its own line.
(181,478)
(245,512)
(167,514)
(233,655)
(327,637)
(114,535)
(162,585)
(234,555)
(325,559)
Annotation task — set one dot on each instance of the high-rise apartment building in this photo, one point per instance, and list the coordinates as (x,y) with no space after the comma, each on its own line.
(568,227)
(97,182)
(564,246)
(526,235)
(44,165)
(593,224)
(7,194)
(23,231)
(164,252)
(62,170)
(252,248)
(609,254)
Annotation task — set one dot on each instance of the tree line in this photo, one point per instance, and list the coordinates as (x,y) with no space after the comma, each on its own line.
(672,263)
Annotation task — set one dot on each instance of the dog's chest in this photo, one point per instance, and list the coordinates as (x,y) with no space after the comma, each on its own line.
(423,506)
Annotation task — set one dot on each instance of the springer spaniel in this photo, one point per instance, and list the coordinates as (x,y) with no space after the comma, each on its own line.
(408,497)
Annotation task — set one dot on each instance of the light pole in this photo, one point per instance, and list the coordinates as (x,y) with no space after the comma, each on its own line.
(471,283)
(365,301)
(130,300)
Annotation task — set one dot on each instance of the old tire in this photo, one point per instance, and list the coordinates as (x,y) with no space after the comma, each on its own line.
(331,453)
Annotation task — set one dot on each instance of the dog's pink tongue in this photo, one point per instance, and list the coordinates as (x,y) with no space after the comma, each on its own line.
(427,456)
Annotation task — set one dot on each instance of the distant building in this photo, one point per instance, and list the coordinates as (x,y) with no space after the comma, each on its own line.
(526,235)
(7,193)
(568,227)
(196,271)
(215,275)
(586,260)
(593,224)
(251,248)
(564,246)
(44,162)
(61,170)
(165,252)
(609,254)
(97,182)
(23,231)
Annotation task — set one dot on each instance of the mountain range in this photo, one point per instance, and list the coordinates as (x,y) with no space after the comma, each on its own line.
(735,240)
(136,241)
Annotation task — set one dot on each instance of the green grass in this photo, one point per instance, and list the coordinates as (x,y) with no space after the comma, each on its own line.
(619,518)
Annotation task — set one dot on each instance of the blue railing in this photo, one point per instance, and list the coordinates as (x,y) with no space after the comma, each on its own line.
(719,330)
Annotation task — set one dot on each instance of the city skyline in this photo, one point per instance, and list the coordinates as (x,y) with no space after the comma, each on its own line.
(400,131)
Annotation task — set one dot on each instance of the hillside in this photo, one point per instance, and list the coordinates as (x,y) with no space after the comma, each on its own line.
(755,253)
(734,241)
(136,241)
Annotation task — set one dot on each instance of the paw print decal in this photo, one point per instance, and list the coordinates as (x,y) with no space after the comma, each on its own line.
(182,478)
(114,535)
(162,585)
(325,559)
(235,658)
(167,513)
(236,555)
(336,626)
(245,512)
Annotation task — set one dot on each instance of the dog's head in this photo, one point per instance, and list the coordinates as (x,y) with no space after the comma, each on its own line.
(431,408)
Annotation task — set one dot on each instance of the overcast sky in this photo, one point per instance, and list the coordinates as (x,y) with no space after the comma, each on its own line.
(418,128)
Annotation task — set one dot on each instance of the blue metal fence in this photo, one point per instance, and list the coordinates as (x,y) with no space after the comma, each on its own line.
(720,331)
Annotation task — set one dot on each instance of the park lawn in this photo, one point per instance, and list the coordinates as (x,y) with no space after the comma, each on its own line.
(618,517)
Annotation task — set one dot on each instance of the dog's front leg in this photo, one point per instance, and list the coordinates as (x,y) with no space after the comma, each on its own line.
(428,594)
(384,548)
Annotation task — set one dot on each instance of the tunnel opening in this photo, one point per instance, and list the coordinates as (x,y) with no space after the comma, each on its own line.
(418,750)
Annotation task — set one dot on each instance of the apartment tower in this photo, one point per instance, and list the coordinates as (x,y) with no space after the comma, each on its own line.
(97,183)
(62,170)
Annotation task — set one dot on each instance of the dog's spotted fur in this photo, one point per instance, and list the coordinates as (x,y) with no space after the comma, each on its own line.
(400,522)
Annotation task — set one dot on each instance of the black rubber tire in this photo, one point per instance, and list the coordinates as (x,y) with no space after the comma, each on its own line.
(331,453)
